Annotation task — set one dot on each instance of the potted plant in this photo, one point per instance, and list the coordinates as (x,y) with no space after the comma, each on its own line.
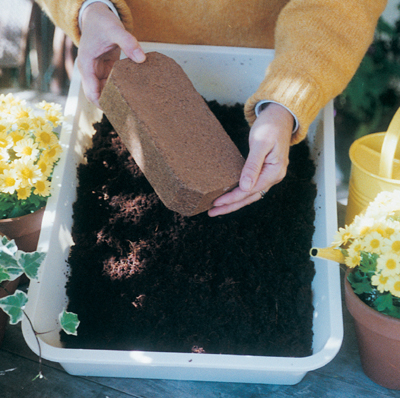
(370,248)
(29,149)
(14,263)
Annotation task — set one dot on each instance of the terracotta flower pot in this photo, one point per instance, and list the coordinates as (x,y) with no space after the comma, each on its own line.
(378,338)
(25,230)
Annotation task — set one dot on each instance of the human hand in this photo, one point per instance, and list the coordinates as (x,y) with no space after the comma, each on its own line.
(103,38)
(267,162)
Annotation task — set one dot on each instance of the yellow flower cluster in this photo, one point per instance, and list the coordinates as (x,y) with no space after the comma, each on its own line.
(376,231)
(29,147)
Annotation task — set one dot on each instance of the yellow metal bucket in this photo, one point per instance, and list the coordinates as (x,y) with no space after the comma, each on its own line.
(375,167)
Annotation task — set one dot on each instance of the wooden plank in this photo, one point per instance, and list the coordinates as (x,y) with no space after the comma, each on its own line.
(17,374)
(343,377)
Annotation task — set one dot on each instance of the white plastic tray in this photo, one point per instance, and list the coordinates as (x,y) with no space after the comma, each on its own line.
(228,75)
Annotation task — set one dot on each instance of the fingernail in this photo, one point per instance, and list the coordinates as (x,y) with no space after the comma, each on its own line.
(138,55)
(246,183)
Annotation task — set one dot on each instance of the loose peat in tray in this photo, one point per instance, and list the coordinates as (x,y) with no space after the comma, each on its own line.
(146,278)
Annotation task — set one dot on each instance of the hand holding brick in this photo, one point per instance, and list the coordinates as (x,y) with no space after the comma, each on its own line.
(175,139)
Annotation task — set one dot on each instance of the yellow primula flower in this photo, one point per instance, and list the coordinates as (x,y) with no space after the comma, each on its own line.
(22,111)
(45,166)
(394,285)
(17,135)
(394,242)
(26,149)
(53,153)
(356,245)
(7,102)
(353,259)
(342,236)
(24,193)
(25,124)
(48,106)
(373,242)
(42,188)
(27,172)
(384,229)
(3,166)
(5,126)
(381,282)
(39,122)
(4,155)
(388,264)
(54,116)
(9,181)
(45,137)
(5,140)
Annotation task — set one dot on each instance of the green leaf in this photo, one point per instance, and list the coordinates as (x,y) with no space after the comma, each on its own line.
(395,216)
(368,262)
(4,275)
(385,27)
(10,264)
(69,322)
(383,302)
(13,306)
(360,282)
(393,311)
(9,245)
(30,262)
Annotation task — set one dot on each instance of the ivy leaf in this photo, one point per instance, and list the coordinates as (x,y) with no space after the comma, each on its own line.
(4,275)
(10,264)
(30,262)
(69,322)
(8,245)
(13,306)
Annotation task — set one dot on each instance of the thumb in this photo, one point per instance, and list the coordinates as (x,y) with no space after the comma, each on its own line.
(131,47)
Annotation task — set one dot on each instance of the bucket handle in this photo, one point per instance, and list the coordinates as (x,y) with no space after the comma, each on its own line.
(389,146)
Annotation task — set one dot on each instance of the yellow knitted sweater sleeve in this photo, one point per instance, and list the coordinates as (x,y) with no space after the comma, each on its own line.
(319,45)
(65,13)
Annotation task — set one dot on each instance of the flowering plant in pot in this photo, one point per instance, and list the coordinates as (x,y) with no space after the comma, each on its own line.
(13,263)
(370,248)
(29,149)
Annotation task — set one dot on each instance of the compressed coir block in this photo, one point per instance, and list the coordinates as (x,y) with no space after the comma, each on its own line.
(175,139)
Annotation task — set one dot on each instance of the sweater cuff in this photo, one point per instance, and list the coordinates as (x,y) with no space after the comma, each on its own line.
(261,105)
(89,2)
(294,89)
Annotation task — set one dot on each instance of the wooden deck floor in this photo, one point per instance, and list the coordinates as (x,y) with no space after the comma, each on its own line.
(342,377)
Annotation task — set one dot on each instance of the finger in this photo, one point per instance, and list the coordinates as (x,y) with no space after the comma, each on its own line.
(268,178)
(252,168)
(236,195)
(270,175)
(229,208)
(91,85)
(95,70)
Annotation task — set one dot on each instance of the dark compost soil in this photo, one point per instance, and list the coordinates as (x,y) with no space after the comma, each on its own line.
(146,278)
